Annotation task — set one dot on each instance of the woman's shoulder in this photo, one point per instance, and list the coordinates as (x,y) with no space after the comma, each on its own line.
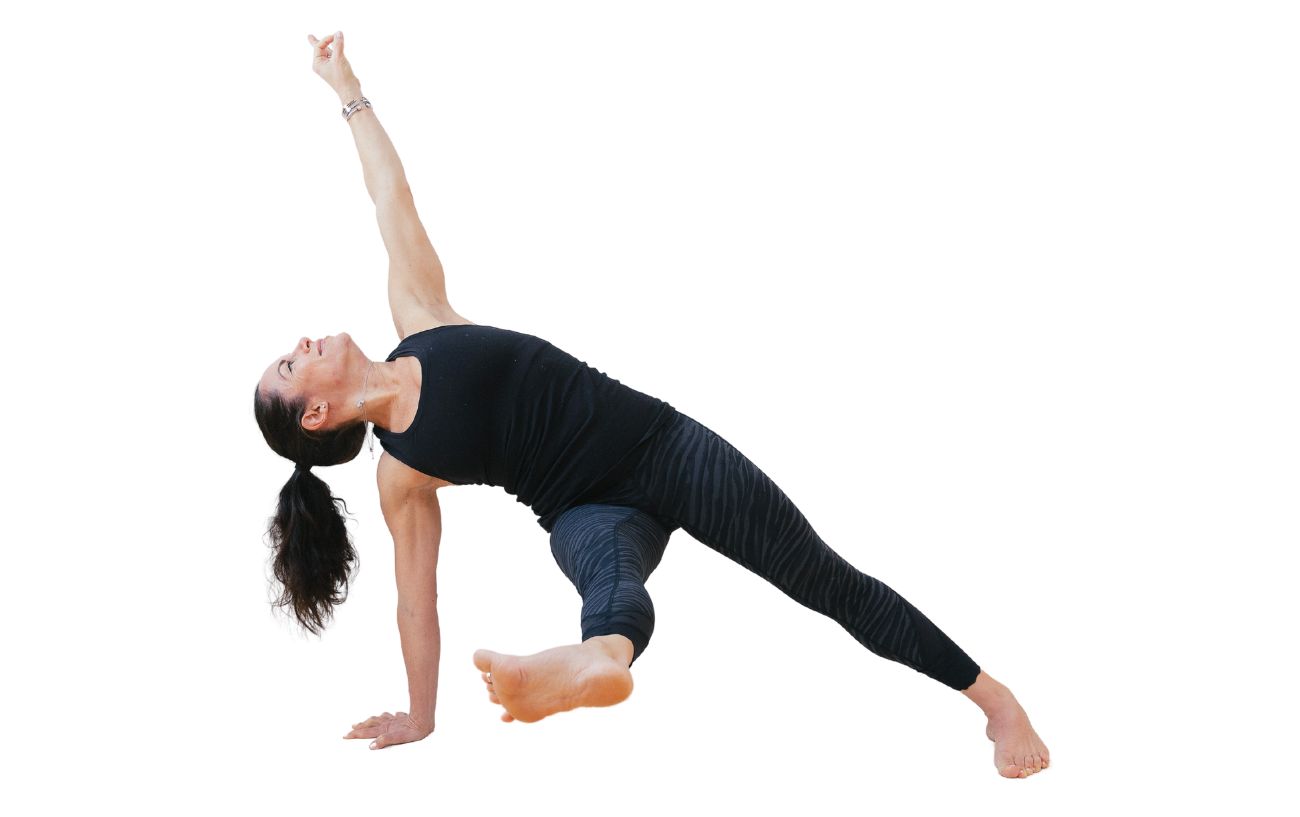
(417,336)
(430,329)
(420,327)
(466,340)
(396,478)
(413,321)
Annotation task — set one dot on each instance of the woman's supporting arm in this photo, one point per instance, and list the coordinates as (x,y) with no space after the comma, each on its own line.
(414,518)
(410,506)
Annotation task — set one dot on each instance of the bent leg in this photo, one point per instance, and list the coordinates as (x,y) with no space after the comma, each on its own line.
(698,480)
(608,552)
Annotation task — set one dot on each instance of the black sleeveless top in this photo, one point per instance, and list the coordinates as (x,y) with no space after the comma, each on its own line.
(503,408)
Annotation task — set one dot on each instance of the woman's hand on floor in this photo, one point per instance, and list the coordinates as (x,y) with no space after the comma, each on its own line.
(389,730)
(331,65)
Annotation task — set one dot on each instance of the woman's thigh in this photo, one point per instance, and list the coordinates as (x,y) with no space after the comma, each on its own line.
(599,543)
(696,480)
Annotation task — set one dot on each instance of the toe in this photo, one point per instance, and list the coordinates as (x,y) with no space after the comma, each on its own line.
(483,659)
(1010,770)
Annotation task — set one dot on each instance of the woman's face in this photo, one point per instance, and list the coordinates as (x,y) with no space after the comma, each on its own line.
(319,371)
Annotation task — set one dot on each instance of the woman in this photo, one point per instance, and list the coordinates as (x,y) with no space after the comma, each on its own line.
(610,472)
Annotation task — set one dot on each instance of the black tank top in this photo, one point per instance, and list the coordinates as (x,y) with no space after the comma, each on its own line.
(503,408)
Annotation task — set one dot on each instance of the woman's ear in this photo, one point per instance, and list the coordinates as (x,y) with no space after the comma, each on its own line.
(313,419)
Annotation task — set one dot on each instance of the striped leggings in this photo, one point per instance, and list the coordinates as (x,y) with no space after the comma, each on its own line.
(686,476)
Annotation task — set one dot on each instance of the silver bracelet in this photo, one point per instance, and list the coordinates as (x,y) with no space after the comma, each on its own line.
(354,106)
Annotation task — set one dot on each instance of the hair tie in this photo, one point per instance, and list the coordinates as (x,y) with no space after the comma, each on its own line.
(304,468)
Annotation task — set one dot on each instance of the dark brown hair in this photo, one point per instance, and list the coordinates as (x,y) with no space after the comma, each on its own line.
(314,559)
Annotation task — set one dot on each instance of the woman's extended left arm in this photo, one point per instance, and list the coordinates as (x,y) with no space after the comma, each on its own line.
(417,290)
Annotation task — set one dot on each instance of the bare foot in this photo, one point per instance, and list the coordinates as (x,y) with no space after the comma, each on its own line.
(530,687)
(1017,749)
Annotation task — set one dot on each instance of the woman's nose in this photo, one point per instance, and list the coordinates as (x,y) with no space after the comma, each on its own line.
(304,343)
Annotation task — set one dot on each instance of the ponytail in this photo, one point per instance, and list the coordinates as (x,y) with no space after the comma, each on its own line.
(314,560)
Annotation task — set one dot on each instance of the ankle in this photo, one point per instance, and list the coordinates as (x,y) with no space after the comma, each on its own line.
(617,647)
(990,695)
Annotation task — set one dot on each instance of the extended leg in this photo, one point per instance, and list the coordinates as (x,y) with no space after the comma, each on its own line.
(693,478)
(698,480)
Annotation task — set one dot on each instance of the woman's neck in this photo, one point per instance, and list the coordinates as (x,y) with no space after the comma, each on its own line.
(392,393)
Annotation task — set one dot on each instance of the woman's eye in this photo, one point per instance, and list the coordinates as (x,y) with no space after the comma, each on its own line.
(289,363)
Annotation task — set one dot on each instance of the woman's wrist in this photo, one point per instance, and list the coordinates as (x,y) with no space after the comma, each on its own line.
(423,720)
(348,92)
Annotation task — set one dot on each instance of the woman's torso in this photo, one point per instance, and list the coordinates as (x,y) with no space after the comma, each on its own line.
(499,407)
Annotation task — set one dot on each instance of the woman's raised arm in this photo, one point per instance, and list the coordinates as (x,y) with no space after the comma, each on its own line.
(417,290)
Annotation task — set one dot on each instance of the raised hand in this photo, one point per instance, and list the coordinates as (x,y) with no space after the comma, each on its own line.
(330,64)
(389,730)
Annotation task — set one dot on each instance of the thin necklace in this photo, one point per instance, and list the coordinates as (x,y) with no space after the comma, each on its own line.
(361,404)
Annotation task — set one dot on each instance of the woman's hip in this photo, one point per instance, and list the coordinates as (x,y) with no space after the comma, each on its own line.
(689,476)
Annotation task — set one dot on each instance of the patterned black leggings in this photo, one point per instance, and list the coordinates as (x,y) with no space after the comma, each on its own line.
(688,477)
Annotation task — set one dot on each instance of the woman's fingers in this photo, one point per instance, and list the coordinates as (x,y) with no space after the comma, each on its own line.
(321,47)
(397,734)
(372,726)
(336,39)
(388,730)
(374,720)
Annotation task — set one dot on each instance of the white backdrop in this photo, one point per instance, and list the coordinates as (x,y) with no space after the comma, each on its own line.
(1001,294)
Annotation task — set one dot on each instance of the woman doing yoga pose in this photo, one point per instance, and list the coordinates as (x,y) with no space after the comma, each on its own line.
(610,472)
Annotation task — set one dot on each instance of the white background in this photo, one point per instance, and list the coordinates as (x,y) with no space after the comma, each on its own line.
(1001,294)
